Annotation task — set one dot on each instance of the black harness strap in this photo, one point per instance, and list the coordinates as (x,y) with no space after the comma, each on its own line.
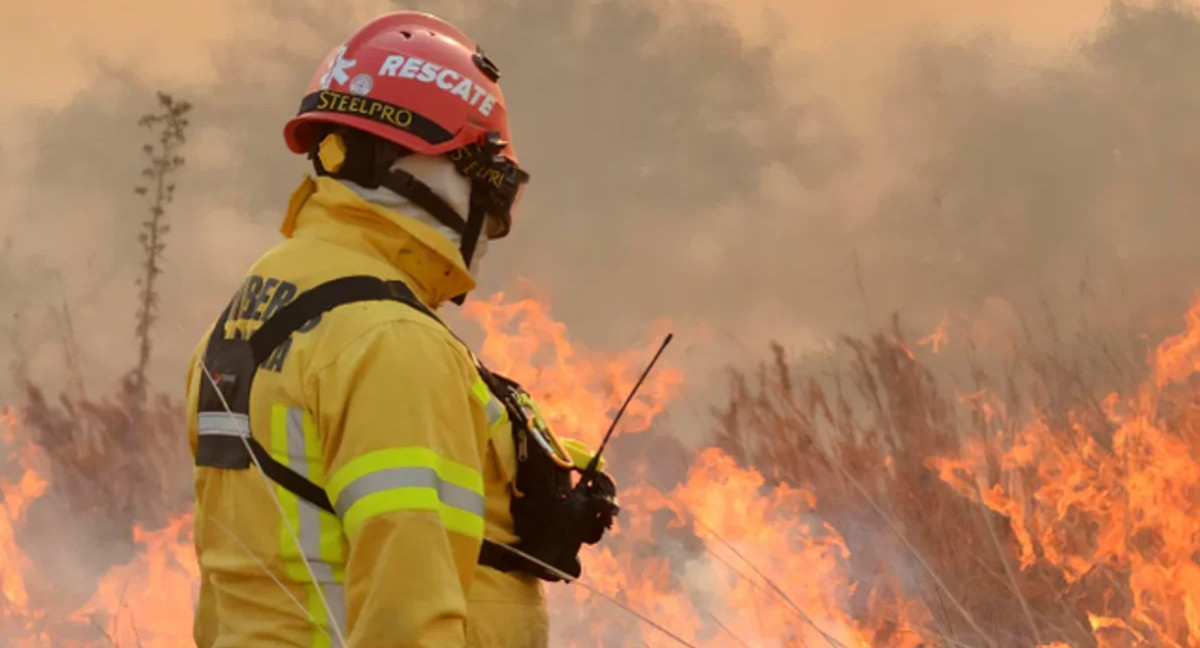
(501,559)
(291,480)
(229,452)
(224,451)
(325,297)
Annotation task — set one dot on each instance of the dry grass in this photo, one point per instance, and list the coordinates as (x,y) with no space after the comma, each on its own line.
(862,436)
(106,474)
(103,462)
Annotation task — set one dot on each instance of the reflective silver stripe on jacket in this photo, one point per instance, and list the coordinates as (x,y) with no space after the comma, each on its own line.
(223,424)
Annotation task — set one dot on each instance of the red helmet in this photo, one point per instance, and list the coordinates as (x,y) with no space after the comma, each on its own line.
(414,80)
(410,78)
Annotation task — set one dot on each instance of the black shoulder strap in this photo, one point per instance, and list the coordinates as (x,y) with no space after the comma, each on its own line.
(325,297)
(290,480)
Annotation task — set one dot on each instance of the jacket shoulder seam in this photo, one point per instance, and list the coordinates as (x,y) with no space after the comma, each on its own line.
(445,337)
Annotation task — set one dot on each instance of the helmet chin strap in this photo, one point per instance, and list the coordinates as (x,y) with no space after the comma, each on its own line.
(370,162)
(476,216)
(469,229)
(377,169)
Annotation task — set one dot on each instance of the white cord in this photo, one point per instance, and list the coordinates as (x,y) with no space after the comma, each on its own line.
(333,623)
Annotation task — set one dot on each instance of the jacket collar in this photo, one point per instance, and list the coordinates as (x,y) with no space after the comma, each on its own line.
(323,208)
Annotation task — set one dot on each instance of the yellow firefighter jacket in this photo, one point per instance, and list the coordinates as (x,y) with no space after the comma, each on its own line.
(359,401)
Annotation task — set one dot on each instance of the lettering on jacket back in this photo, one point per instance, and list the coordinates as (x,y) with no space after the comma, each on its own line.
(259,299)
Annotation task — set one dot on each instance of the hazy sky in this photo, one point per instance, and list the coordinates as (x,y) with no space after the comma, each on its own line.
(720,164)
(172,42)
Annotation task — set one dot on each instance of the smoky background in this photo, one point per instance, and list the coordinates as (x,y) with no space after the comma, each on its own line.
(685,166)
(752,173)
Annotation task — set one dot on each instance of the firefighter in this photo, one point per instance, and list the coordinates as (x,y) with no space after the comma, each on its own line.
(351,454)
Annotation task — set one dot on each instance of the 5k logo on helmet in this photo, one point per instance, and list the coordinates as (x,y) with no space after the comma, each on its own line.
(339,68)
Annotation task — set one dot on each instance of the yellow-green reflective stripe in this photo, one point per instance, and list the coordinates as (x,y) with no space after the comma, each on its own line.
(291,555)
(412,499)
(496,413)
(448,470)
(320,533)
(491,405)
(295,442)
(410,478)
(316,612)
(322,637)
(331,546)
(393,479)
(481,392)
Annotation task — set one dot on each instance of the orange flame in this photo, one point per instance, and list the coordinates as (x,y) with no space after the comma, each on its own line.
(938,338)
(1122,498)
(15,499)
(1178,357)
(578,390)
(145,603)
(770,573)
(712,598)
(150,600)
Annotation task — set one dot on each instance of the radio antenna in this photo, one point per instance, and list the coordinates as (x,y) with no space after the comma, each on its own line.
(591,467)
